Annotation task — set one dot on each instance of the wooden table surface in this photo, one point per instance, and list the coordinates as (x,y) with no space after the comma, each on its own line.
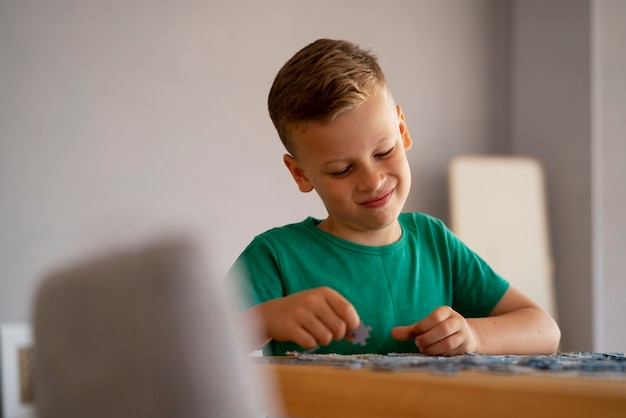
(328,391)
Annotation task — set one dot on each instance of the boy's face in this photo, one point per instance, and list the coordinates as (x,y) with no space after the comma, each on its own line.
(357,165)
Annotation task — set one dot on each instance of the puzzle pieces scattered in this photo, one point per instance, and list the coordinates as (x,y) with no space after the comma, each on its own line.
(359,334)
(575,363)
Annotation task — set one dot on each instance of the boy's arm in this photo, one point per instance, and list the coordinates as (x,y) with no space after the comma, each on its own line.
(516,325)
(308,318)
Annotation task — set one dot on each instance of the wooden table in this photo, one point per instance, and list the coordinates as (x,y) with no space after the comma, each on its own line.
(329,391)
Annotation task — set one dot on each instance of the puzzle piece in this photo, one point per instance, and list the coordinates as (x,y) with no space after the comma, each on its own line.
(359,334)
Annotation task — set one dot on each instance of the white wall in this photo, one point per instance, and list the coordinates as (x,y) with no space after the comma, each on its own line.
(568,108)
(122,120)
(551,119)
(609,19)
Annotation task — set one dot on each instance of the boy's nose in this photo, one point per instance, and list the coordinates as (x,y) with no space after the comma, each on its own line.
(371,179)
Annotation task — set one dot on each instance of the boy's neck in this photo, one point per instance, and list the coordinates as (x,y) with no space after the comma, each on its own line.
(379,237)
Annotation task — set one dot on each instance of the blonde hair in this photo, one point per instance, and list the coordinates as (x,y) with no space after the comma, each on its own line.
(321,81)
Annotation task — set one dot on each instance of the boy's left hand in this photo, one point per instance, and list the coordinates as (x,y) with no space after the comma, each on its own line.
(443,332)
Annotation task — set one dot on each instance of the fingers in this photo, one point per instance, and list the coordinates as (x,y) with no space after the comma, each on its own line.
(443,332)
(324,325)
(427,326)
(404,332)
(343,310)
(450,345)
(302,336)
(318,333)
(438,333)
(335,317)
(310,318)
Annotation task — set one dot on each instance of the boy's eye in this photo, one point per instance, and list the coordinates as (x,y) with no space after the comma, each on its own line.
(386,153)
(341,173)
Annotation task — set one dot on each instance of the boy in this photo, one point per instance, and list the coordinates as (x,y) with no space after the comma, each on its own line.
(405,275)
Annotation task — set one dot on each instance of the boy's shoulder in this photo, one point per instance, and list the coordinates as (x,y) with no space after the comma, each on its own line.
(292,232)
(419,220)
(301,227)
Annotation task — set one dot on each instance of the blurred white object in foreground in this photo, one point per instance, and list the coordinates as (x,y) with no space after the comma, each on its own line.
(142,333)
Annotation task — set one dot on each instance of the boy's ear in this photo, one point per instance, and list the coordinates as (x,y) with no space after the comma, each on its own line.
(404,130)
(298,173)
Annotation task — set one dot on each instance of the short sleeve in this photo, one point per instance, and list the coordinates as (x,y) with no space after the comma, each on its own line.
(258,259)
(477,288)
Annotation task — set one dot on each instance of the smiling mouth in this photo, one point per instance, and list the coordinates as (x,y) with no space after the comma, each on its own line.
(379,201)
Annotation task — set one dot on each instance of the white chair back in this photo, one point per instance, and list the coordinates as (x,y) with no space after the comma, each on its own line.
(498,207)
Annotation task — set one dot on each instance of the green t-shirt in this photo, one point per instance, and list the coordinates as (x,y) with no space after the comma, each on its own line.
(390,285)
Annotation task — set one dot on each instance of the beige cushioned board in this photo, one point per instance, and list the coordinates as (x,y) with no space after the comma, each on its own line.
(498,208)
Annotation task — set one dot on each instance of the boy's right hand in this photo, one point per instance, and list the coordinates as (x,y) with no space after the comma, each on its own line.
(309,318)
